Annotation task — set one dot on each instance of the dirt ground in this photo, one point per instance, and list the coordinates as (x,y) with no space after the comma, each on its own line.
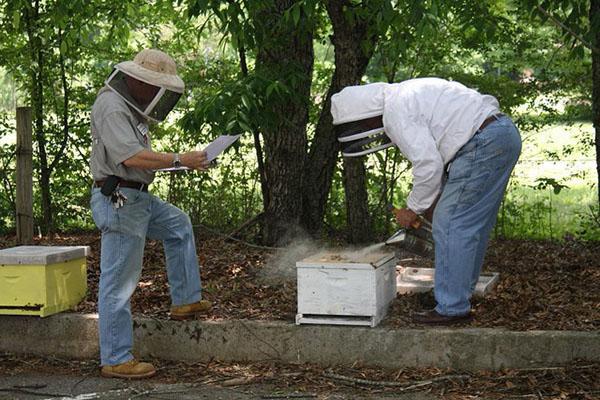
(543,285)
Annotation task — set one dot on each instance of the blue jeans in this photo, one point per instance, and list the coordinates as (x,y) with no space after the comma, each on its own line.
(466,212)
(124,233)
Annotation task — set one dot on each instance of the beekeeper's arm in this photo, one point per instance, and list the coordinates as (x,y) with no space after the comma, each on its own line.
(407,128)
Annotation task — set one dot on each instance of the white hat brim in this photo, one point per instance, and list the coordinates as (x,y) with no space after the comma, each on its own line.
(368,151)
(172,82)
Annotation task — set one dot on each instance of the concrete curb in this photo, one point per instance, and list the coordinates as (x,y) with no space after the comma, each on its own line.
(75,336)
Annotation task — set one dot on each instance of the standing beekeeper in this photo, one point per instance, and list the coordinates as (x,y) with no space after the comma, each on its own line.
(122,163)
(462,150)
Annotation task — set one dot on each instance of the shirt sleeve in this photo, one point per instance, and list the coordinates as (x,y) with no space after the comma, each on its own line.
(118,136)
(407,128)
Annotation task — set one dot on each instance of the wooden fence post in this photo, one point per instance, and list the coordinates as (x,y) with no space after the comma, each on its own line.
(24,177)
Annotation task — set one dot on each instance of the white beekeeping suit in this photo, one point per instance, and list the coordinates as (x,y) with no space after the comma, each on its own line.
(429,119)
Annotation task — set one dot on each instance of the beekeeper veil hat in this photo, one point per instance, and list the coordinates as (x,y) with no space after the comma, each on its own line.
(159,72)
(358,119)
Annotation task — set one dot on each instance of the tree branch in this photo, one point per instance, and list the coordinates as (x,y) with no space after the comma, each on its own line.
(65,111)
(403,386)
(568,30)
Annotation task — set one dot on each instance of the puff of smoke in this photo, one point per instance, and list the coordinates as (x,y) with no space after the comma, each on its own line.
(280,267)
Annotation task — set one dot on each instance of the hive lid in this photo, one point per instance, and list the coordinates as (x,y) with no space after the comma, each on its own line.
(347,260)
(28,255)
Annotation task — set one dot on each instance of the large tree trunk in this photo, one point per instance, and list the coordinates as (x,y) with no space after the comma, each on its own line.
(353,49)
(286,55)
(357,207)
(594,16)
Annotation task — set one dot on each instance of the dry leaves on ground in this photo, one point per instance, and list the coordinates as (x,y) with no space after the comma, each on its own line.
(543,285)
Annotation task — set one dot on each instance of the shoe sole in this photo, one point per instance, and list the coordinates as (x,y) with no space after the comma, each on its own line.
(127,376)
(182,317)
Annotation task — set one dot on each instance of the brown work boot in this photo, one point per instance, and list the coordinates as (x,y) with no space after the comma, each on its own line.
(131,369)
(190,310)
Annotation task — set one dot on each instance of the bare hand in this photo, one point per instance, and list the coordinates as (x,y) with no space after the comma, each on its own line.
(195,160)
(406,217)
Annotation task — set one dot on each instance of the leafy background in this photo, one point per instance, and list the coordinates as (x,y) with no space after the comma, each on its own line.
(540,74)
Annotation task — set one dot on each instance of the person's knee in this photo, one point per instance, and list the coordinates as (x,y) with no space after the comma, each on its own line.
(184,226)
(186,222)
(180,218)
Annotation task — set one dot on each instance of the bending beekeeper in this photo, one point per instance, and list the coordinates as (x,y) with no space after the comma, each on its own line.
(137,93)
(462,150)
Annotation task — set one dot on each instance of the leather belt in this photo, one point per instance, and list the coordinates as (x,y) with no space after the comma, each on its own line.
(127,184)
(489,120)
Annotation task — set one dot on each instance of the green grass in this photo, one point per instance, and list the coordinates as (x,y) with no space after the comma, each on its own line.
(552,194)
(543,214)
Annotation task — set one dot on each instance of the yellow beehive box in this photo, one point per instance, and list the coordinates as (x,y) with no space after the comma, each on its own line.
(42,280)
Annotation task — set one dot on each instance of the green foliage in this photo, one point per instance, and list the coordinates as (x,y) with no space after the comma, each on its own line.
(544,213)
(589,223)
(489,45)
(7,170)
(571,15)
(545,183)
(223,198)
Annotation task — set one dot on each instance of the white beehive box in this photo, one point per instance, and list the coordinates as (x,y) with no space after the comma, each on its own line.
(414,280)
(342,291)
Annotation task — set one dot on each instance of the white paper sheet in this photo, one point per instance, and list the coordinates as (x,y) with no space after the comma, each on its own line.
(213,150)
(219,145)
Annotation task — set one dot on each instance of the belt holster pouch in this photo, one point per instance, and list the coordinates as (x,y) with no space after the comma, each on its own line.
(109,185)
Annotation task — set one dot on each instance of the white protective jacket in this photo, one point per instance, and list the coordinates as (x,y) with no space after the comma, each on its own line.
(429,119)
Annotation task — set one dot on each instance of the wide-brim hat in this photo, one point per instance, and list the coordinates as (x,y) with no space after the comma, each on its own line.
(154,67)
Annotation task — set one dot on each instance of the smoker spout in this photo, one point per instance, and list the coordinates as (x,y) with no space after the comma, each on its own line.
(417,241)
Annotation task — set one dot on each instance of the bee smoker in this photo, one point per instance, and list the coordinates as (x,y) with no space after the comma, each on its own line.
(417,239)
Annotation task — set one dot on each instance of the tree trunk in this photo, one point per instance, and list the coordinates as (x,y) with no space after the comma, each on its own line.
(286,56)
(594,16)
(24,201)
(357,206)
(37,98)
(353,45)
